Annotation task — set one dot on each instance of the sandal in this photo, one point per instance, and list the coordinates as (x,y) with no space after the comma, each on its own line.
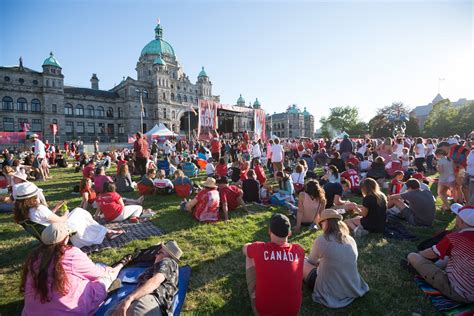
(124,261)
(114,234)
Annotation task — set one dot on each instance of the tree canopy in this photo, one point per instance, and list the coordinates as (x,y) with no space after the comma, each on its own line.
(343,119)
(446,119)
(379,125)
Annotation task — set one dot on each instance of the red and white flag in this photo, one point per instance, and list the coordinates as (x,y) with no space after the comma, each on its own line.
(54,128)
(25,127)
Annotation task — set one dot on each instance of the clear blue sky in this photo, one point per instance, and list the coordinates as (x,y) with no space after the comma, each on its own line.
(314,54)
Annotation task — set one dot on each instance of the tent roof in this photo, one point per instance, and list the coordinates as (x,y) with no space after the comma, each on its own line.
(160,130)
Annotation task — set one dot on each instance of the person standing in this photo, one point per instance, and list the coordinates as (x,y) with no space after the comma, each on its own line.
(420,155)
(40,155)
(277,156)
(141,153)
(274,271)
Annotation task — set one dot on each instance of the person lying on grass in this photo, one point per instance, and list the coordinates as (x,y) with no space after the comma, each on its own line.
(373,211)
(274,271)
(59,279)
(230,197)
(88,231)
(456,281)
(331,271)
(117,209)
(205,205)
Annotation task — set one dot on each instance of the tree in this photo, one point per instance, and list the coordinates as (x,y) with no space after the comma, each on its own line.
(380,126)
(440,121)
(343,119)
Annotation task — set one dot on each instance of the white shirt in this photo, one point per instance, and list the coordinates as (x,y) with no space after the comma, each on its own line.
(256,152)
(399,149)
(163,183)
(277,153)
(40,215)
(210,169)
(470,163)
(40,151)
(420,148)
(298,177)
(429,149)
(362,149)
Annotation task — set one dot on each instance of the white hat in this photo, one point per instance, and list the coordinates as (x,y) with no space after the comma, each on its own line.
(26,190)
(20,175)
(466,213)
(55,233)
(34,136)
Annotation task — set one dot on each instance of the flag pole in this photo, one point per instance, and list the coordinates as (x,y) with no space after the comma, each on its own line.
(141,112)
(189,125)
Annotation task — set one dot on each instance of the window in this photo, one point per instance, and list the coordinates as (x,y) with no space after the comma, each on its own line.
(172,96)
(90,111)
(8,124)
(99,112)
(69,127)
(21,80)
(22,105)
(101,128)
(36,125)
(54,108)
(7,104)
(164,96)
(68,109)
(121,129)
(137,93)
(144,112)
(185,98)
(79,110)
(179,98)
(80,127)
(145,94)
(55,121)
(35,105)
(110,129)
(164,113)
(47,82)
(35,82)
(91,128)
(6,78)
(21,123)
(119,112)
(173,115)
(110,112)
(191,99)
(53,82)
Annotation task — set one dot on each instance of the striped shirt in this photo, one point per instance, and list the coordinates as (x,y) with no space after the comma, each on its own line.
(459,247)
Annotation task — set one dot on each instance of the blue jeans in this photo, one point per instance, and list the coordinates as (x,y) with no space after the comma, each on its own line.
(429,162)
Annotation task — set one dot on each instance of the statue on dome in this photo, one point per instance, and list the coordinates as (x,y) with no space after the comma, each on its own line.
(398,118)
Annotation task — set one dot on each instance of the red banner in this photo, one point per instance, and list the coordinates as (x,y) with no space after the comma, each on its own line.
(207,119)
(15,137)
(54,129)
(259,128)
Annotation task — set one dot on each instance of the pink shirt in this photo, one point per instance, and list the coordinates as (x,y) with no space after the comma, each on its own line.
(85,293)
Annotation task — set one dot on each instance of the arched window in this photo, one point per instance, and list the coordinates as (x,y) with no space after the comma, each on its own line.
(179,97)
(35,105)
(173,115)
(164,96)
(172,96)
(110,112)
(145,94)
(68,110)
(99,112)
(79,110)
(190,99)
(22,105)
(185,98)
(7,104)
(90,111)
(119,112)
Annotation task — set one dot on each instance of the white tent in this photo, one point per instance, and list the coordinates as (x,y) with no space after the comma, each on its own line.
(160,131)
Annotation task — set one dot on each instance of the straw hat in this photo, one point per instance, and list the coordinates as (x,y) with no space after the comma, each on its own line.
(329,213)
(55,233)
(26,190)
(210,183)
(171,247)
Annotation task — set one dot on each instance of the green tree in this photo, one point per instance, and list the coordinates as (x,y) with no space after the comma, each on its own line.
(343,119)
(441,120)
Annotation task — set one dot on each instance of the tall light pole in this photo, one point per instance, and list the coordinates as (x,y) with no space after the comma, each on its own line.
(141,109)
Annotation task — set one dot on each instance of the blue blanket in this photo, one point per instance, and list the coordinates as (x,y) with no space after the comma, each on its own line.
(129,277)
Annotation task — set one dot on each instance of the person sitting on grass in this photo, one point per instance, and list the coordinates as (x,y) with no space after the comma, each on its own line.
(251,188)
(146,185)
(372,212)
(331,271)
(230,197)
(259,172)
(457,280)
(285,191)
(221,168)
(182,184)
(334,191)
(210,169)
(60,279)
(190,169)
(163,185)
(274,271)
(124,180)
(88,171)
(353,177)
(297,178)
(205,206)
(112,206)
(311,202)
(100,178)
(88,231)
(88,194)
(332,175)
(235,171)
(421,207)
(396,184)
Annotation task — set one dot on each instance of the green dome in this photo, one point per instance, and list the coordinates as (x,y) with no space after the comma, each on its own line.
(159,61)
(51,61)
(240,100)
(158,46)
(202,73)
(293,109)
(305,113)
(256,103)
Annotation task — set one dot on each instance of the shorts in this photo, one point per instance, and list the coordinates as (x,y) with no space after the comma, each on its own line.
(311,279)
(37,162)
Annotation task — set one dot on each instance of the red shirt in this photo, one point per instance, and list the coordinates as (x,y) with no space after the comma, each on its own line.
(229,195)
(120,163)
(141,148)
(460,270)
(396,186)
(354,161)
(88,172)
(109,205)
(260,173)
(221,170)
(353,177)
(279,276)
(216,146)
(207,207)
(92,195)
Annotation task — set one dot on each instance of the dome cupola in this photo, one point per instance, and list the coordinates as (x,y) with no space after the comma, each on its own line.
(51,61)
(158,46)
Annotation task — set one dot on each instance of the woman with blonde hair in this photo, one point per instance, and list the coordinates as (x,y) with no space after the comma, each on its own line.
(373,211)
(331,271)
(311,203)
(124,180)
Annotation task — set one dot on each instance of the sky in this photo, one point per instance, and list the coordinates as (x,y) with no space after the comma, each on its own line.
(314,54)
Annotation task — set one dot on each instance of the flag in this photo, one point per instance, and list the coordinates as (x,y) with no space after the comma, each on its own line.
(192,109)
(25,127)
(142,107)
(54,129)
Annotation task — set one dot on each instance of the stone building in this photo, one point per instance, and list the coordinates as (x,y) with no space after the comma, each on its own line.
(40,98)
(292,123)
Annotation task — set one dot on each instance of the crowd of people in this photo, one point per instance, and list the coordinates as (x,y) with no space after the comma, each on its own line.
(314,181)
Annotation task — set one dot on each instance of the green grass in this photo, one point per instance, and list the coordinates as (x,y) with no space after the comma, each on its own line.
(213,251)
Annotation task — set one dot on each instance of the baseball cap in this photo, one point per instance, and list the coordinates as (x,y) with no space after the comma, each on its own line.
(55,233)
(466,213)
(280,225)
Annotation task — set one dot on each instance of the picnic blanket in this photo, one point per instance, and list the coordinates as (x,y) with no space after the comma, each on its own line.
(442,303)
(133,231)
(129,277)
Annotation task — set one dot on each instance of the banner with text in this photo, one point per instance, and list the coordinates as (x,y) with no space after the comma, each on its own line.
(16,137)
(259,129)
(207,119)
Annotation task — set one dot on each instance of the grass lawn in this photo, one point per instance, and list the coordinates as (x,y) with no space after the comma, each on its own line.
(214,253)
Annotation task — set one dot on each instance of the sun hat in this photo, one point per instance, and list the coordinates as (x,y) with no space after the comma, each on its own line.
(222,180)
(329,213)
(19,175)
(280,225)
(26,190)
(210,183)
(171,247)
(55,233)
(466,213)
(34,136)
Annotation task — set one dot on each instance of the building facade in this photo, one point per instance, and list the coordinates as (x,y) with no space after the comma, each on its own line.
(40,98)
(293,123)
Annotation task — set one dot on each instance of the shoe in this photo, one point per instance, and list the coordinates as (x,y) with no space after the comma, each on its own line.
(124,261)
(313,227)
(134,219)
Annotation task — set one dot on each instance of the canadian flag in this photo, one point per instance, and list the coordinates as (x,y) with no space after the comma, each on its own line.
(25,127)
(54,128)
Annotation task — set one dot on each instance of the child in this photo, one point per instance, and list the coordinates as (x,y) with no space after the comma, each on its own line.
(397,182)
(87,193)
(405,158)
